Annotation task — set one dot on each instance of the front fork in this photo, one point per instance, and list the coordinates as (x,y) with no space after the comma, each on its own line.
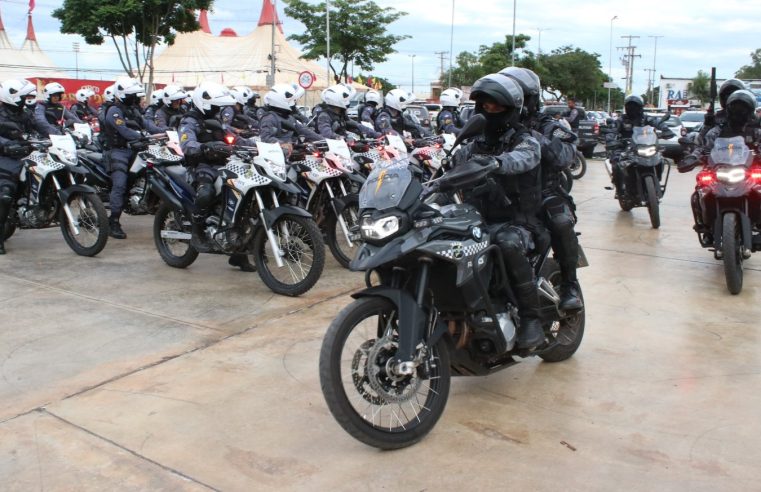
(339,216)
(406,361)
(274,245)
(67,210)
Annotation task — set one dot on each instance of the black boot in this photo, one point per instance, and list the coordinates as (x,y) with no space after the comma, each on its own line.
(2,246)
(198,239)
(241,261)
(531,333)
(570,297)
(115,228)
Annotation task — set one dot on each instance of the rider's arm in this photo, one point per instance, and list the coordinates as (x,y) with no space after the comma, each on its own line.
(523,158)
(325,126)
(383,124)
(69,117)
(189,143)
(362,129)
(307,132)
(269,129)
(115,120)
(41,122)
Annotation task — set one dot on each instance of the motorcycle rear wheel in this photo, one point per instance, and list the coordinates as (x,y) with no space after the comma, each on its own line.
(567,332)
(731,243)
(92,221)
(653,206)
(579,166)
(176,253)
(374,407)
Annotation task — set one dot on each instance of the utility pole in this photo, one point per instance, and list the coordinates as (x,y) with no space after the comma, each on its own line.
(515,6)
(655,51)
(650,85)
(628,61)
(271,80)
(451,46)
(328,82)
(75,45)
(539,40)
(441,57)
(610,59)
(413,73)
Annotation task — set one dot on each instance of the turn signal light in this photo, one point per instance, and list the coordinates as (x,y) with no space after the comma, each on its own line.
(705,178)
(755,173)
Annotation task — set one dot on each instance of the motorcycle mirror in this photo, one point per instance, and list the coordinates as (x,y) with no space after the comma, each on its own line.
(474,126)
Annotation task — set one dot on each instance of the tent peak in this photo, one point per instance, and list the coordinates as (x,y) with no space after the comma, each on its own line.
(30,35)
(269,15)
(203,20)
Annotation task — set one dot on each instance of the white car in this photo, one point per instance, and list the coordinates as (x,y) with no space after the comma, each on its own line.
(692,119)
(671,146)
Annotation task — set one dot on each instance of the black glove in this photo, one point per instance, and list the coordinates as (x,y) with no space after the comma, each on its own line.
(17,150)
(139,145)
(216,150)
(688,163)
(710,119)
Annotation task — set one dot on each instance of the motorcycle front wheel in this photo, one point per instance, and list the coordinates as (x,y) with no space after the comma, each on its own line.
(177,253)
(731,242)
(653,206)
(88,234)
(342,251)
(303,255)
(371,403)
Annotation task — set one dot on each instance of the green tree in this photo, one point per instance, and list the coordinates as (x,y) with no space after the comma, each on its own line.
(136,27)
(700,87)
(358,32)
(752,71)
(571,72)
(471,66)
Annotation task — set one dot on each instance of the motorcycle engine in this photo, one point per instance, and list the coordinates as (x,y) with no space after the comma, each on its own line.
(36,216)
(138,201)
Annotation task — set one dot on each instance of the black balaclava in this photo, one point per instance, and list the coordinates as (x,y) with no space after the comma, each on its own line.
(738,115)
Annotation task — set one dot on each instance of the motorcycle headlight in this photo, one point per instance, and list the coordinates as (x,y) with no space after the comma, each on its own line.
(731,175)
(375,229)
(647,151)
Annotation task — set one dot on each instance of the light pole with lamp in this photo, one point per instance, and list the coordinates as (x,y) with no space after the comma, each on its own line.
(75,46)
(451,44)
(539,43)
(610,60)
(515,6)
(327,40)
(413,73)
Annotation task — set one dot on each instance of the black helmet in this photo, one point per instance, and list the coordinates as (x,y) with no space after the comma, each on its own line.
(634,106)
(740,108)
(530,85)
(504,91)
(727,88)
(634,99)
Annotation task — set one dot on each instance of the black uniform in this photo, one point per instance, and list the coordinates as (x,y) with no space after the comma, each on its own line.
(83,111)
(13,147)
(169,118)
(330,123)
(449,121)
(280,126)
(49,117)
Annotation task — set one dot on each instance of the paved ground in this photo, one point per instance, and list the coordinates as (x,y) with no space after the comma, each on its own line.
(120,373)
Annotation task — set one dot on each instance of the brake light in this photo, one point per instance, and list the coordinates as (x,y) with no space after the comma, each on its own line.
(706,178)
(230,139)
(755,174)
(316,154)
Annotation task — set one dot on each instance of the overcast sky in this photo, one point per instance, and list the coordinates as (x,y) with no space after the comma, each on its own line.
(697,34)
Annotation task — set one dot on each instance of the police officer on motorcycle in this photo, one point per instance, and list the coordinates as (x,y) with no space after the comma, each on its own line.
(391,118)
(558,153)
(622,129)
(205,151)
(448,120)
(711,120)
(510,201)
(50,113)
(278,124)
(157,101)
(82,108)
(738,120)
(122,137)
(14,122)
(171,111)
(332,122)
(369,110)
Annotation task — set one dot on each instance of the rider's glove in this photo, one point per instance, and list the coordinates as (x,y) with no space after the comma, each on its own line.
(688,163)
(17,150)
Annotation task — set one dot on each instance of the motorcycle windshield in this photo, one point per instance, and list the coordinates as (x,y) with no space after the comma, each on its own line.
(731,151)
(644,135)
(385,187)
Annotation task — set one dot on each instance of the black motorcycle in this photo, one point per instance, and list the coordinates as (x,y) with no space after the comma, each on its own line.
(642,167)
(438,303)
(729,195)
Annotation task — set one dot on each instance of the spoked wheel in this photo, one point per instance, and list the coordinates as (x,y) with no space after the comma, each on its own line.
(87,233)
(653,206)
(567,332)
(371,402)
(174,251)
(731,245)
(302,252)
(342,250)
(579,166)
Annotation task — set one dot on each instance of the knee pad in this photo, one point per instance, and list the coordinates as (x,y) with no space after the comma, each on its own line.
(510,243)
(205,194)
(562,223)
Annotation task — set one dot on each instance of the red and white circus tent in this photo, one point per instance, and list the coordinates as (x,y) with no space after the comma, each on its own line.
(29,61)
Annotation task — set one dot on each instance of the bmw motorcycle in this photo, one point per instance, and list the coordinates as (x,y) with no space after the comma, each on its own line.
(438,303)
(252,215)
(642,166)
(50,192)
(729,194)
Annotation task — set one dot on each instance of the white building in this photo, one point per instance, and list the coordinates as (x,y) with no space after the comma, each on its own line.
(674,92)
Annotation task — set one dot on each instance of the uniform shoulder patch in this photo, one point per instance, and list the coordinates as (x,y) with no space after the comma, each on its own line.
(118,120)
(184,137)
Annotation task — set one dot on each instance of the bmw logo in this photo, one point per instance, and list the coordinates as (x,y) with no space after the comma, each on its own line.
(477,234)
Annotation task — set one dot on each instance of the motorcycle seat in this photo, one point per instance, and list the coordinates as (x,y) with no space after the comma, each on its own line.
(179,175)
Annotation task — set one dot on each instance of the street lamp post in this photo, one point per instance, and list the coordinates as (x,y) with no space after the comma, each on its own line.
(327,39)
(413,73)
(539,43)
(515,6)
(655,51)
(610,59)
(75,46)
(451,44)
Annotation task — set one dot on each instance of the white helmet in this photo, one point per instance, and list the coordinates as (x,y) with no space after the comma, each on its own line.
(209,94)
(373,96)
(397,99)
(108,94)
(173,93)
(31,98)
(241,94)
(126,86)
(84,94)
(338,95)
(157,96)
(51,89)
(299,92)
(451,97)
(14,92)
(281,96)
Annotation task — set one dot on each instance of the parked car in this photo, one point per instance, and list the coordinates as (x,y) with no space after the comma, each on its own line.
(467,110)
(691,119)
(421,113)
(433,110)
(671,146)
(588,133)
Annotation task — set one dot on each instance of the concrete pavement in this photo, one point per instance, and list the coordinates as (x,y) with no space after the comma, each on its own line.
(120,373)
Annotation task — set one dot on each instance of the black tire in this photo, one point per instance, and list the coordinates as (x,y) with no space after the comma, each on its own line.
(334,388)
(91,215)
(588,152)
(10,227)
(625,204)
(569,331)
(579,166)
(335,237)
(731,242)
(183,256)
(307,235)
(653,206)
